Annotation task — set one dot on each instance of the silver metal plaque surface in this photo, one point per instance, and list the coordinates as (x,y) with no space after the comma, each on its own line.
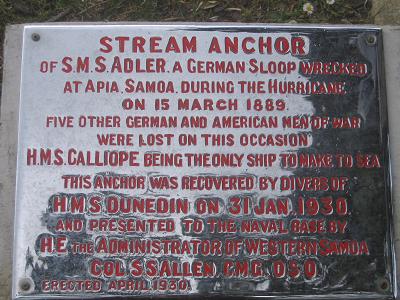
(202,160)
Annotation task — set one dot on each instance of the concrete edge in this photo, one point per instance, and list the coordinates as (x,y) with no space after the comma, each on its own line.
(8,149)
(391,49)
(207,24)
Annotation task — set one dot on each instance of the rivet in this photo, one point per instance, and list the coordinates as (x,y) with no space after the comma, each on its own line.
(25,285)
(35,37)
(370,40)
(383,285)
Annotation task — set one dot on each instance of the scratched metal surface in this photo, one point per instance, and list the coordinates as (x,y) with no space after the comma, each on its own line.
(368,190)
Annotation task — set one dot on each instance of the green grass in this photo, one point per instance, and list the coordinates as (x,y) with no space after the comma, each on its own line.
(17,11)
(263,11)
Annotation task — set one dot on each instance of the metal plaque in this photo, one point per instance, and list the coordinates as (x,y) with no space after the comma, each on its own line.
(161,160)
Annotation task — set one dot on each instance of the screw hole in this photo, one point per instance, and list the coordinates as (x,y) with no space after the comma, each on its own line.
(35,37)
(370,40)
(383,285)
(25,285)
